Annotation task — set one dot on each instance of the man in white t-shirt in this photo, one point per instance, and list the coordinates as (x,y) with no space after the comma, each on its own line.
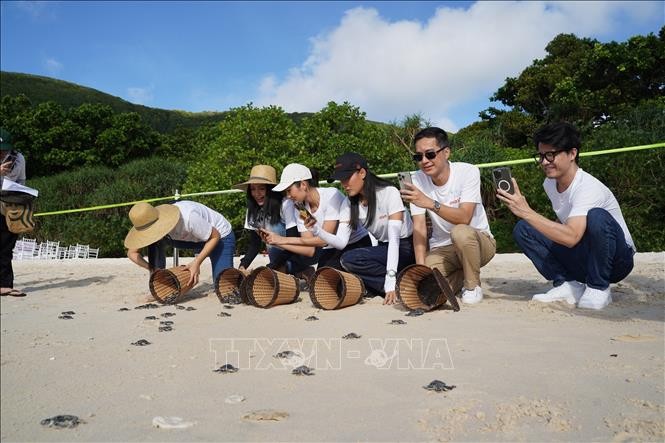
(184,225)
(449,193)
(590,245)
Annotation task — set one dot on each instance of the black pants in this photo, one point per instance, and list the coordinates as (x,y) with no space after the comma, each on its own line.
(7,242)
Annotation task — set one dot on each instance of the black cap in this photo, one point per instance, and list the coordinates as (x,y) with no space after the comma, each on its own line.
(346,165)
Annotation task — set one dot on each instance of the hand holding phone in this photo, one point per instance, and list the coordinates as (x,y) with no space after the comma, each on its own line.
(404,178)
(303,212)
(503,179)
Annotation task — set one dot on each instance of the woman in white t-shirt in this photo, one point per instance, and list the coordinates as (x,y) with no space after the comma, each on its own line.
(269,211)
(322,217)
(378,206)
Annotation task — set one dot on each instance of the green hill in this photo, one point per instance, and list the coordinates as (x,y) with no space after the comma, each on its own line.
(42,89)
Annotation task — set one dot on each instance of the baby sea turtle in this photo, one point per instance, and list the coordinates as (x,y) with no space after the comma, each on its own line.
(151,317)
(312,318)
(167,314)
(141,342)
(190,308)
(68,313)
(226,369)
(351,335)
(61,421)
(228,306)
(166,322)
(439,386)
(285,354)
(415,312)
(180,307)
(223,314)
(65,317)
(123,309)
(147,306)
(397,322)
(165,328)
(303,370)
(232,298)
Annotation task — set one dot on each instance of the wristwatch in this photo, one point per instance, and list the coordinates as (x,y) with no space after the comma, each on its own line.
(391,273)
(437,205)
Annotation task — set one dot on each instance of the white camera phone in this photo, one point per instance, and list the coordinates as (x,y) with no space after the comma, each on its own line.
(403,178)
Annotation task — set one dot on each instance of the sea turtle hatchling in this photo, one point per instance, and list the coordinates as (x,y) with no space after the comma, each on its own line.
(180,307)
(303,370)
(190,308)
(351,335)
(147,306)
(312,318)
(439,386)
(397,322)
(142,342)
(65,317)
(228,306)
(226,369)
(68,313)
(123,309)
(61,421)
(150,317)
(166,323)
(223,314)
(285,354)
(165,328)
(167,314)
(415,312)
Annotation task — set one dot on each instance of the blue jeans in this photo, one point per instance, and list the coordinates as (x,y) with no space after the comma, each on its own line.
(220,258)
(601,257)
(370,263)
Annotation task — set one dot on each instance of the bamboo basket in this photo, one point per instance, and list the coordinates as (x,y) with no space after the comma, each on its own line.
(265,288)
(229,282)
(169,286)
(334,289)
(421,287)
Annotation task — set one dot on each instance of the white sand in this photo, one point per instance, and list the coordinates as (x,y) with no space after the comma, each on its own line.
(523,371)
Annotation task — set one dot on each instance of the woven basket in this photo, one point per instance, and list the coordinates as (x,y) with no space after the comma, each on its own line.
(334,289)
(266,288)
(231,282)
(421,287)
(169,286)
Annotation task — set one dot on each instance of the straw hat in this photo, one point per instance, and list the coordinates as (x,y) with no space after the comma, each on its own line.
(150,224)
(259,175)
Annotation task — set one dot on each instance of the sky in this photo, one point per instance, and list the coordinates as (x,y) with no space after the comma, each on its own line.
(443,60)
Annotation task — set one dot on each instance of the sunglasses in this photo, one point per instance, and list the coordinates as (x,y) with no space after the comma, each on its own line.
(549,156)
(431,155)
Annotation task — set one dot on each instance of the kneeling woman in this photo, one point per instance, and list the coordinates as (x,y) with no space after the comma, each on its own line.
(323,219)
(378,206)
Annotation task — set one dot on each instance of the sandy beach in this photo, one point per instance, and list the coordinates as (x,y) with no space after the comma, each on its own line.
(521,370)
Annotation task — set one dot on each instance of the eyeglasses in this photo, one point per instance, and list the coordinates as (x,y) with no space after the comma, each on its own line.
(549,156)
(431,155)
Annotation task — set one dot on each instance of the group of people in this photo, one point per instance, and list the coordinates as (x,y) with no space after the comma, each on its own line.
(369,231)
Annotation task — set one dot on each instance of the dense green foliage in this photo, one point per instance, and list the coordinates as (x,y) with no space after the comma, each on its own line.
(95,186)
(40,89)
(100,145)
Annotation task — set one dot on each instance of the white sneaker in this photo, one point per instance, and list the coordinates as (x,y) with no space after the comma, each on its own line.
(472,296)
(595,298)
(570,291)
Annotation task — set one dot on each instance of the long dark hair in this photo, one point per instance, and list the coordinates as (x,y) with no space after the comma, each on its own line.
(271,209)
(370,186)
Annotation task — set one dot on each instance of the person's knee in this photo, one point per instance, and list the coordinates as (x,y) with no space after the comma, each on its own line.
(461,234)
(597,220)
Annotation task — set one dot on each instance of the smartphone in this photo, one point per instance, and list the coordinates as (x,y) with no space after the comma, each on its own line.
(503,179)
(303,212)
(404,177)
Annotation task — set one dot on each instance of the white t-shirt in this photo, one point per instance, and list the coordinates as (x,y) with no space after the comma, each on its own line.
(388,202)
(463,186)
(584,193)
(333,205)
(196,222)
(286,214)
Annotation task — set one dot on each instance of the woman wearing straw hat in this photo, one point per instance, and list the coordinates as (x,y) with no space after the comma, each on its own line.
(377,205)
(185,225)
(268,211)
(323,221)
